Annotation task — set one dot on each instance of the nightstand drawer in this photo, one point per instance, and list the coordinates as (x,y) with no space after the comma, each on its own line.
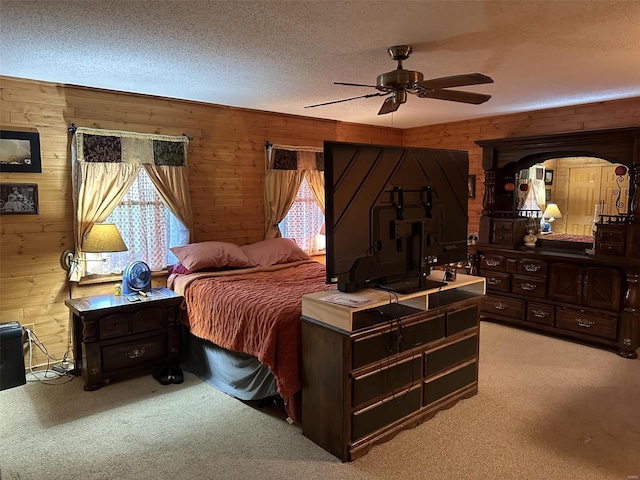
(134,353)
(116,325)
(147,320)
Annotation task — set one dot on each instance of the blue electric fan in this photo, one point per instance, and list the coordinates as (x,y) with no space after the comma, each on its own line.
(136,278)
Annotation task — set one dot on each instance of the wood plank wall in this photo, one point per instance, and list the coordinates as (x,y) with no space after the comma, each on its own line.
(462,135)
(226,171)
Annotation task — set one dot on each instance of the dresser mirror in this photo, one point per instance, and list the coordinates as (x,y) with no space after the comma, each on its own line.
(565,196)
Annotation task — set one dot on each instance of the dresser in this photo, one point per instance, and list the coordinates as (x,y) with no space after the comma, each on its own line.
(114,336)
(370,371)
(576,288)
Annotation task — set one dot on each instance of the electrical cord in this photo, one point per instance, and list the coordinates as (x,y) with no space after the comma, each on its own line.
(47,376)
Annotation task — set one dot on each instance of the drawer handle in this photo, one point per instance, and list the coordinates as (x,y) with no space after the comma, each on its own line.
(135,353)
(530,267)
(585,323)
(491,262)
(528,286)
(494,281)
(500,305)
(539,313)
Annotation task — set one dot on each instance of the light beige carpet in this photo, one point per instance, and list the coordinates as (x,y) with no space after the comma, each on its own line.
(546,409)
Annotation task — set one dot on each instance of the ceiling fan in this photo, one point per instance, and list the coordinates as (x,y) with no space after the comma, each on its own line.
(397,83)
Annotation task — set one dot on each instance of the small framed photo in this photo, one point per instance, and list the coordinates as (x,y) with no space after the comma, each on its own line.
(19,198)
(20,152)
(548,177)
(547,195)
(472,186)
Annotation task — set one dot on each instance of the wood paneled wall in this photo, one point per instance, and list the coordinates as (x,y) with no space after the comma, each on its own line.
(462,135)
(226,172)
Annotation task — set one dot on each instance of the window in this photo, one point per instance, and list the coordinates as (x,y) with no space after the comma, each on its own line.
(147,227)
(305,221)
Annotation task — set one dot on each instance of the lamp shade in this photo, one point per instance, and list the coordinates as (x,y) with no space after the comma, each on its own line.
(103,237)
(552,210)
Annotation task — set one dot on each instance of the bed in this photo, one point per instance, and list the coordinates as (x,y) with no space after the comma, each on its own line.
(242,317)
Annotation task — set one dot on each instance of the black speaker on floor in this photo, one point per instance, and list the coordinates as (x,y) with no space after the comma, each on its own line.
(11,356)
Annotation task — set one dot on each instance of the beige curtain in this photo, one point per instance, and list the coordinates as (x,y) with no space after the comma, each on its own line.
(173,186)
(281,184)
(280,190)
(539,193)
(104,170)
(315,178)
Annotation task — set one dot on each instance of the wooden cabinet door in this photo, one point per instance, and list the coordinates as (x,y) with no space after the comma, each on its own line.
(565,283)
(601,288)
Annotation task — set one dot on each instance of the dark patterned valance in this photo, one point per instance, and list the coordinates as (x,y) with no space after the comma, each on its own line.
(110,146)
(297,159)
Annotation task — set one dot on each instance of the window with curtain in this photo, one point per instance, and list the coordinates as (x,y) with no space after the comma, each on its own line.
(148,228)
(139,182)
(304,222)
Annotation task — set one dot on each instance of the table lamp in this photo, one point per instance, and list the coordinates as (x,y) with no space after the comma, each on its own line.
(551,213)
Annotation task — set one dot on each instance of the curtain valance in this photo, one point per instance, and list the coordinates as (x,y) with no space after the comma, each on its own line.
(114,146)
(289,157)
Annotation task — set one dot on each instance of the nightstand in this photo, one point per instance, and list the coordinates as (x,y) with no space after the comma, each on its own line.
(113,336)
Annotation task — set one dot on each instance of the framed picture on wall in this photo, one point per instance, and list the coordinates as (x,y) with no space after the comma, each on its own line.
(18,198)
(20,152)
(548,177)
(472,186)
(547,195)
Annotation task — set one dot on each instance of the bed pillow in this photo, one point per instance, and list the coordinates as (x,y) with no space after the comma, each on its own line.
(274,251)
(203,255)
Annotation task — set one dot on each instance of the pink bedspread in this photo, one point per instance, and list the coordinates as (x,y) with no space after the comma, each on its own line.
(255,311)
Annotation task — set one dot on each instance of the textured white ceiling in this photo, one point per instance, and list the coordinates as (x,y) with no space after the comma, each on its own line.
(281,56)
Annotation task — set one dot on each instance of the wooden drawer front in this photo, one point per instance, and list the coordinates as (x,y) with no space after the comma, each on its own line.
(502,232)
(508,307)
(448,356)
(512,265)
(606,248)
(494,263)
(116,325)
(132,354)
(377,347)
(541,313)
(384,413)
(463,319)
(529,286)
(588,323)
(498,282)
(423,333)
(389,380)
(530,267)
(442,386)
(147,319)
(612,233)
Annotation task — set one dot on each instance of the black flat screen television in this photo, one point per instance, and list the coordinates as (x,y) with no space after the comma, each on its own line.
(392,213)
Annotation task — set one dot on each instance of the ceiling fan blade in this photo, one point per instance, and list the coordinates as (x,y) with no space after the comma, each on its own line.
(455,96)
(378,94)
(455,81)
(354,84)
(389,105)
